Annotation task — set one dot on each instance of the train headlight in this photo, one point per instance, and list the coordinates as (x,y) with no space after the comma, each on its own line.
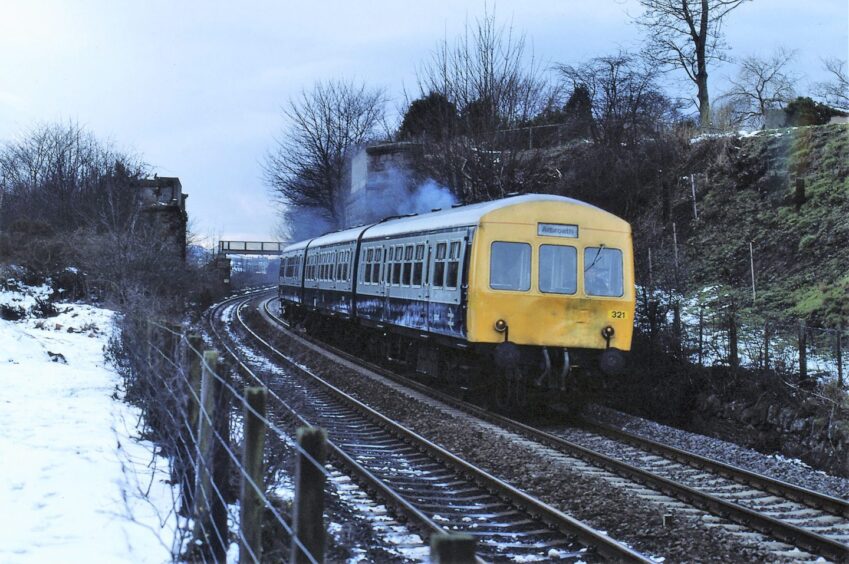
(607,332)
(501,326)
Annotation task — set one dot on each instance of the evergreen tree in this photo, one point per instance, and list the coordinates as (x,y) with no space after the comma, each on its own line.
(433,117)
(578,113)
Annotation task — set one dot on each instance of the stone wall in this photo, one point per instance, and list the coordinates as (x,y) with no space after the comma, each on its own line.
(164,207)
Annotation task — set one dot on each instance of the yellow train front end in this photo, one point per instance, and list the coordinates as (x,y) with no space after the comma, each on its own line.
(556,274)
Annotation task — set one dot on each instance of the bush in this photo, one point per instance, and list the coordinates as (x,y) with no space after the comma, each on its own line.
(805,111)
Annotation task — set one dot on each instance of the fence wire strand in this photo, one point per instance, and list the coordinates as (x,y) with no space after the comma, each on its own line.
(216,436)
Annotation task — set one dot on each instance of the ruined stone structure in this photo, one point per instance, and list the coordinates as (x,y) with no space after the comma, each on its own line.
(378,174)
(163,204)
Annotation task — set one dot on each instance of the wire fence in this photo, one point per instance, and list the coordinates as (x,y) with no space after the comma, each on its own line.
(711,334)
(197,408)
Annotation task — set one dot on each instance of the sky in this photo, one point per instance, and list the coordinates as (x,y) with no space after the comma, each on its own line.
(197,88)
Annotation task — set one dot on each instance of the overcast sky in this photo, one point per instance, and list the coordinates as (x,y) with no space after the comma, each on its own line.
(196,87)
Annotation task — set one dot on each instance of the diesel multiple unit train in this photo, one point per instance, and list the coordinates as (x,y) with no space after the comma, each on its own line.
(505,295)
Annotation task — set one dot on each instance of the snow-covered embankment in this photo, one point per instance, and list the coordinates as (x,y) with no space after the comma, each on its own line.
(76,484)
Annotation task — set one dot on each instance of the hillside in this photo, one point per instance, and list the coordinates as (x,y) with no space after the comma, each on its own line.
(800,243)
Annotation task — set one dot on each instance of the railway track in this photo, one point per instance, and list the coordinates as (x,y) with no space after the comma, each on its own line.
(797,523)
(434,489)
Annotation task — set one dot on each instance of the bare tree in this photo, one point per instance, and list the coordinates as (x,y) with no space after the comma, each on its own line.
(627,104)
(480,88)
(306,168)
(762,85)
(687,34)
(834,92)
(62,176)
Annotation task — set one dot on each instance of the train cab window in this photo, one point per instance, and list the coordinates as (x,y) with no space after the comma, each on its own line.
(558,269)
(603,272)
(510,266)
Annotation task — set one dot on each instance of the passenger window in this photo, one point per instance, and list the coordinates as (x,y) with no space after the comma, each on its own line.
(440,251)
(558,269)
(453,267)
(438,274)
(451,274)
(510,266)
(603,272)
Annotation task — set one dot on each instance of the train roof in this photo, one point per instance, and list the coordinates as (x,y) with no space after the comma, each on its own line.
(461,216)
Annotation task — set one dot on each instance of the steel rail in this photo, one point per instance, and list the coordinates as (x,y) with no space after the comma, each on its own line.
(805,496)
(604,545)
(775,528)
(419,519)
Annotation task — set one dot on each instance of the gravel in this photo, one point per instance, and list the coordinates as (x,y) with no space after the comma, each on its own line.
(772,465)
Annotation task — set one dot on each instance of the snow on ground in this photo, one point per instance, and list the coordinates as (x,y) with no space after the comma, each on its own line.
(76,484)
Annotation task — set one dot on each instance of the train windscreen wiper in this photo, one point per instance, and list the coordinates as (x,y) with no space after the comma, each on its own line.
(595,259)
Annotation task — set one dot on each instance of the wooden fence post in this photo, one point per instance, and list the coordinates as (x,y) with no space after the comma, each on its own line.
(251,505)
(193,355)
(308,514)
(220,471)
(803,350)
(452,549)
(204,493)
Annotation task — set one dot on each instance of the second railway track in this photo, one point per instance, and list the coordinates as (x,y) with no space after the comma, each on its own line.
(796,523)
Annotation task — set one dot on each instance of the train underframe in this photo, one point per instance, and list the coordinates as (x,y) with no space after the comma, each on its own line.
(507,377)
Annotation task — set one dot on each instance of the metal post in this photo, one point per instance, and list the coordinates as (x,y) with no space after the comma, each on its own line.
(734,358)
(651,274)
(693,188)
(803,350)
(701,334)
(676,325)
(250,499)
(767,336)
(308,514)
(675,249)
(752,266)
(452,549)
(840,356)
(675,243)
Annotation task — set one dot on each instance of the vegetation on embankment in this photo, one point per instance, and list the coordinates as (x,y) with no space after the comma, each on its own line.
(746,192)
(787,193)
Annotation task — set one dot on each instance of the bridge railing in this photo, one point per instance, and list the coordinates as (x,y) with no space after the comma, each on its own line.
(250,247)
